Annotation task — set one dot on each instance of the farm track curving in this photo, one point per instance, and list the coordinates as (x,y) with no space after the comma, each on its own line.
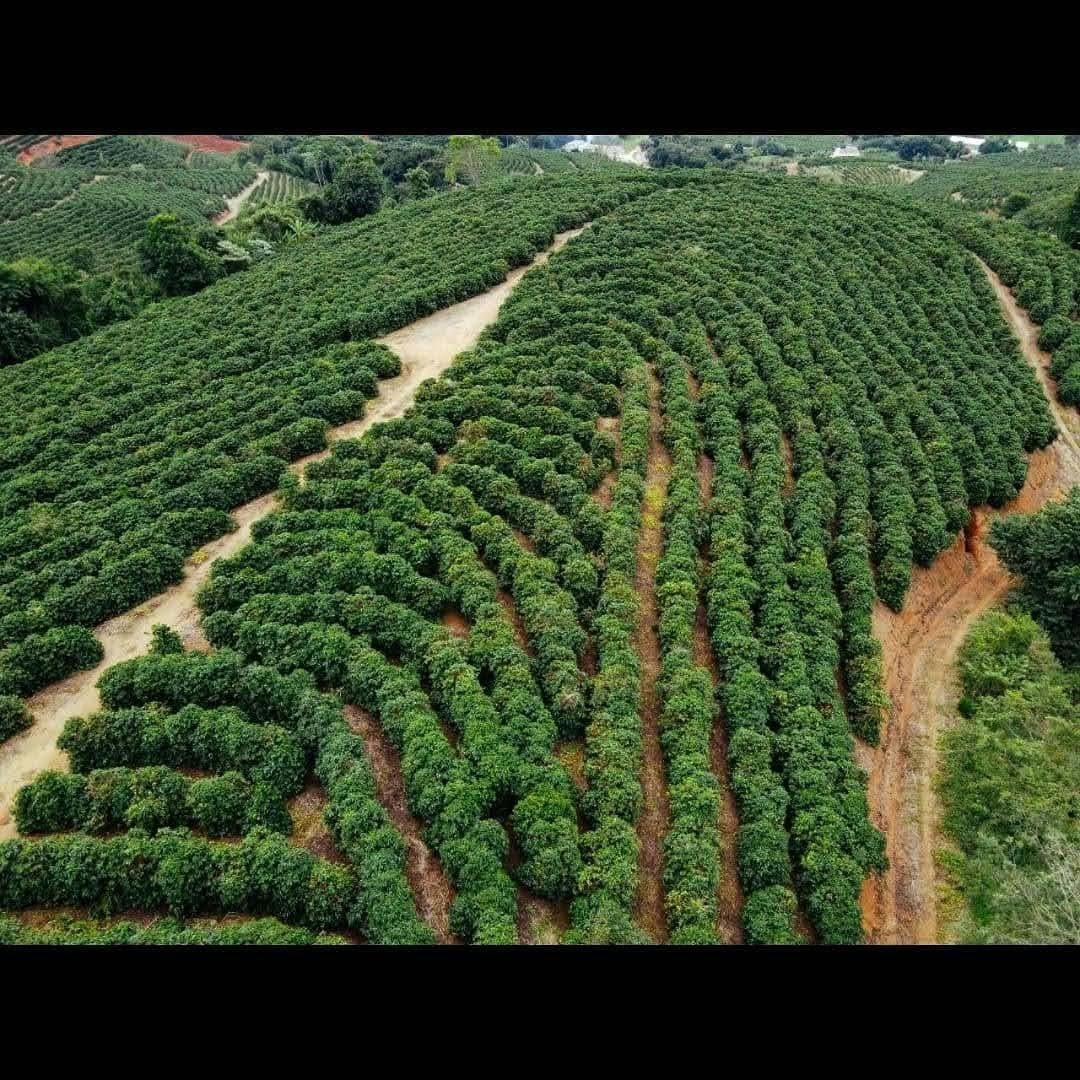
(425,348)
(919,648)
(233,205)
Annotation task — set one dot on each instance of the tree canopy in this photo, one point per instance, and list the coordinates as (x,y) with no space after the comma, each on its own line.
(171,254)
(997,144)
(470,157)
(356,191)
(1045,549)
(41,305)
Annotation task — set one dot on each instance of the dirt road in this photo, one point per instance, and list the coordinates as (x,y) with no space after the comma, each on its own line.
(920,646)
(240,198)
(426,348)
(1068,421)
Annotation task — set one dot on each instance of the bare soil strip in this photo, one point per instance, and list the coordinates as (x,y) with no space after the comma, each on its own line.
(789,461)
(919,648)
(1067,419)
(653,824)
(522,638)
(455,622)
(239,198)
(540,921)
(729,896)
(427,878)
(309,828)
(426,348)
(606,487)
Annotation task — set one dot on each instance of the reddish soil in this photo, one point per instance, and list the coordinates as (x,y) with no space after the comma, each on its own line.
(1068,420)
(51,145)
(919,647)
(653,824)
(603,491)
(705,470)
(525,541)
(455,622)
(729,896)
(209,144)
(39,917)
(588,661)
(430,886)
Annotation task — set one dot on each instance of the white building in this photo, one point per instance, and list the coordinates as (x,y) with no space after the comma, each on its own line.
(846,151)
(970,143)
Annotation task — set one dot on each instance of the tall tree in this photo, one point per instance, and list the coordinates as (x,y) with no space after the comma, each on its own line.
(357,188)
(419,182)
(171,254)
(356,191)
(997,144)
(1045,549)
(471,157)
(1071,232)
(41,305)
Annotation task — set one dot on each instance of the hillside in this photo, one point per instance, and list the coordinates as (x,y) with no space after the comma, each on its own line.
(122,451)
(96,196)
(458,540)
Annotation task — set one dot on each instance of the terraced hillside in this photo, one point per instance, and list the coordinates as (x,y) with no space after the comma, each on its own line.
(95,198)
(122,452)
(580,648)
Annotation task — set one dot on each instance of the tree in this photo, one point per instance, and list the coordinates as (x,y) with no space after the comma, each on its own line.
(115,296)
(274,222)
(997,144)
(1072,140)
(356,191)
(470,156)
(1045,549)
(82,257)
(910,147)
(357,188)
(41,305)
(171,254)
(1016,202)
(1071,232)
(1040,907)
(419,182)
